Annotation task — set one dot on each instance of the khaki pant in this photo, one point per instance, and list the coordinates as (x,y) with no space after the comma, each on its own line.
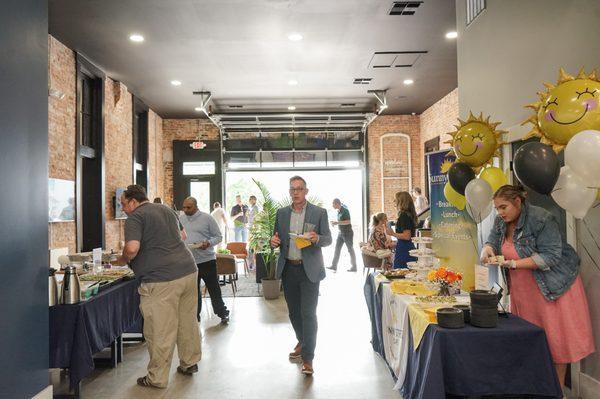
(169,310)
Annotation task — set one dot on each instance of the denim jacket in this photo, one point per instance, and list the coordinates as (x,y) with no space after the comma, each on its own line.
(537,236)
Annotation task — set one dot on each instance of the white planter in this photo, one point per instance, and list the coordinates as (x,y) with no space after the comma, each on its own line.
(271,288)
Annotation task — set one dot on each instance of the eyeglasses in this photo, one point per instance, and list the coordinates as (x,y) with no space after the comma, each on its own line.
(296,190)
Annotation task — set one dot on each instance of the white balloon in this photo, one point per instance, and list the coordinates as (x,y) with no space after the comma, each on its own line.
(582,155)
(478,194)
(479,215)
(572,194)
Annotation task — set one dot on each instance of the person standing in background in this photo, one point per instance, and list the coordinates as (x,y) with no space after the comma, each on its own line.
(421,203)
(168,292)
(252,212)
(406,226)
(219,215)
(345,235)
(239,214)
(203,233)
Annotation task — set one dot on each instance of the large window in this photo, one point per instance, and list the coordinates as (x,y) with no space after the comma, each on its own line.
(90,209)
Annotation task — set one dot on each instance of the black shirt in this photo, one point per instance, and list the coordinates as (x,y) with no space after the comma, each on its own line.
(405,222)
(240,219)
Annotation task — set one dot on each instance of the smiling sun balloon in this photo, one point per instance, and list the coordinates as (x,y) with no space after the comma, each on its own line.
(566,109)
(475,141)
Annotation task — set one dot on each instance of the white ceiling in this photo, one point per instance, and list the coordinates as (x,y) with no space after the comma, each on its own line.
(239,50)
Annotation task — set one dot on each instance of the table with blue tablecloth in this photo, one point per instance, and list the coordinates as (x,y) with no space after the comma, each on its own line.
(511,359)
(80,330)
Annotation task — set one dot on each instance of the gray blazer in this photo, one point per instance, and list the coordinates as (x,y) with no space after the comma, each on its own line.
(312,256)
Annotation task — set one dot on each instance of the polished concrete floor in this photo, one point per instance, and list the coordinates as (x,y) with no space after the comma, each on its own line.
(248,357)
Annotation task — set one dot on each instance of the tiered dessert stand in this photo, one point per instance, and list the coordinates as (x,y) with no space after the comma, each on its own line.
(426,260)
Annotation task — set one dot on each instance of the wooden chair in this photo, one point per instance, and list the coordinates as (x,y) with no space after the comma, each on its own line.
(226,267)
(238,249)
(371,261)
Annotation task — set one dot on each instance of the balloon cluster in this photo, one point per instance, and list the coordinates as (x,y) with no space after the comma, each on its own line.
(566,117)
(474,143)
(574,187)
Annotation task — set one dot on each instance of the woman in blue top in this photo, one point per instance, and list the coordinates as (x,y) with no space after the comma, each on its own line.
(405,229)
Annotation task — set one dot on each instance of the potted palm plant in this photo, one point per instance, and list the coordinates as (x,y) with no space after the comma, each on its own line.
(261,232)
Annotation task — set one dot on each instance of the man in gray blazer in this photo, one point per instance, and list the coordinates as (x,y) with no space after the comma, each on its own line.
(301,269)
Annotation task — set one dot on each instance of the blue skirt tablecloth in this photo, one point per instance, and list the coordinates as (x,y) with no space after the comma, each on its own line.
(79,331)
(511,359)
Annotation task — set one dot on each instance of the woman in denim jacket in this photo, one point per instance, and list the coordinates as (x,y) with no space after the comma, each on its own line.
(543,276)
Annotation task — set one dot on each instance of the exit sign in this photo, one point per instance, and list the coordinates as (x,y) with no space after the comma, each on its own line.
(198,145)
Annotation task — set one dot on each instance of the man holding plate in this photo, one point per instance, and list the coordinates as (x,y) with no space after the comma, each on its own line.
(301,230)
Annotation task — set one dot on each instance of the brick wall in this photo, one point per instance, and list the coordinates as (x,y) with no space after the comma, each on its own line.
(118,153)
(182,129)
(395,159)
(117,143)
(438,120)
(61,132)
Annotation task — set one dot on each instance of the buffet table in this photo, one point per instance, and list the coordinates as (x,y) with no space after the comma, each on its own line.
(511,359)
(80,330)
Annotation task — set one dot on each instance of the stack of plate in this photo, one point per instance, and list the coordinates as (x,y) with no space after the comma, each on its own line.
(484,308)
(466,311)
(450,318)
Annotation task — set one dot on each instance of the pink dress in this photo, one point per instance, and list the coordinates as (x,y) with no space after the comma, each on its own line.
(566,321)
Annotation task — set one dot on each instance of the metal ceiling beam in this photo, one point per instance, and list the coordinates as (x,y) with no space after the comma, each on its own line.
(296,122)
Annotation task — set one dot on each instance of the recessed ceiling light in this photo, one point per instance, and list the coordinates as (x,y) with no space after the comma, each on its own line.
(295,37)
(451,35)
(176,83)
(136,38)
(291,108)
(199,109)
(413,113)
(293,82)
(408,81)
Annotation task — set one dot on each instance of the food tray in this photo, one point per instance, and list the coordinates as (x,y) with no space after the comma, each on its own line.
(422,240)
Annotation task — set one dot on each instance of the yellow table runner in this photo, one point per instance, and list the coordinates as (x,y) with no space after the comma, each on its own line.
(410,287)
(419,320)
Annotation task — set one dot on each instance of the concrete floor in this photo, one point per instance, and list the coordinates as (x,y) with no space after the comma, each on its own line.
(248,357)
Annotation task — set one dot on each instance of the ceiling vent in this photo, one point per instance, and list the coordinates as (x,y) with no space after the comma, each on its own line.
(395,59)
(362,81)
(474,8)
(405,7)
(343,105)
(235,106)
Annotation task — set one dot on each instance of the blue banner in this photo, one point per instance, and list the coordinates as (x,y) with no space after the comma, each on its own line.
(453,230)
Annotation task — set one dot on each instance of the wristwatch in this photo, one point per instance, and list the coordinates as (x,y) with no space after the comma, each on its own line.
(513,264)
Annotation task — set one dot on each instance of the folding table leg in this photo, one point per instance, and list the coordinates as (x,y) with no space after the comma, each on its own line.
(120,348)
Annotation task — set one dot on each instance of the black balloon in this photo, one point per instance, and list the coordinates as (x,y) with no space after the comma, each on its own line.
(537,167)
(459,175)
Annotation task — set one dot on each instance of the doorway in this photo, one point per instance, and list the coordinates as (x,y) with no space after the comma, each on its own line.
(197,173)
(323,185)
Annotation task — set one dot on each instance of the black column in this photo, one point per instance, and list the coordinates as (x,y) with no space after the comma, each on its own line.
(23,198)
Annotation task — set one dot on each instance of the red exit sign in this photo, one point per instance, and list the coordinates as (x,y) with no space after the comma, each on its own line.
(198,145)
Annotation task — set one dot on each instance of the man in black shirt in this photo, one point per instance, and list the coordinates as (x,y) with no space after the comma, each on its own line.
(346,235)
(239,214)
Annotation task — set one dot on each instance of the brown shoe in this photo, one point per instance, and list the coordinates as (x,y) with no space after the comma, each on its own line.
(307,369)
(145,382)
(297,353)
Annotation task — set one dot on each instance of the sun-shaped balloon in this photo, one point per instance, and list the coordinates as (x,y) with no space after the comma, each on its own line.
(476,141)
(566,109)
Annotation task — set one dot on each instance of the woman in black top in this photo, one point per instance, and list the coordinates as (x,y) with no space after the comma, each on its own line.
(405,229)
